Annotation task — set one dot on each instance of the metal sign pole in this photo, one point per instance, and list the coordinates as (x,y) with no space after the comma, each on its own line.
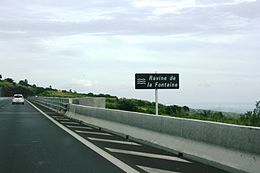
(156,102)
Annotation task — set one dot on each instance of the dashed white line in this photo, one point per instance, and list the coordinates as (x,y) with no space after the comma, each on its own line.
(66,122)
(94,133)
(62,119)
(80,127)
(150,155)
(57,117)
(114,141)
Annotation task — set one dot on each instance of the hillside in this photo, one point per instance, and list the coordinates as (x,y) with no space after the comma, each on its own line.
(9,87)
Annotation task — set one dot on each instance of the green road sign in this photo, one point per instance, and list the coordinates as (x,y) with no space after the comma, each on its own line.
(157,81)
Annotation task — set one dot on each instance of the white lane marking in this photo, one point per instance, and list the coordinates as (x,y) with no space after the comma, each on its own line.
(155,170)
(93,147)
(93,133)
(81,127)
(66,122)
(58,119)
(57,116)
(150,155)
(61,118)
(114,141)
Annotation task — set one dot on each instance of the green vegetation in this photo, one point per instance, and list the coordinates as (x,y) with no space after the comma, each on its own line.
(172,110)
(63,93)
(252,118)
(144,106)
(9,87)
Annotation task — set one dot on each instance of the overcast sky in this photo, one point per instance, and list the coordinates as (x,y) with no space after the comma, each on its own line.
(97,46)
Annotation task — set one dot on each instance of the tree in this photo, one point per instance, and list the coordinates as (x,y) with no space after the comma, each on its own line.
(0,77)
(90,94)
(257,109)
(186,108)
(206,113)
(217,115)
(25,82)
(9,80)
(128,105)
(252,118)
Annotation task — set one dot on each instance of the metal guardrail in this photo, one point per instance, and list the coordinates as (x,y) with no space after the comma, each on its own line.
(56,103)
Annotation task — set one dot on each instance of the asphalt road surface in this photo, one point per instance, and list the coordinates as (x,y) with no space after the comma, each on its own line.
(32,143)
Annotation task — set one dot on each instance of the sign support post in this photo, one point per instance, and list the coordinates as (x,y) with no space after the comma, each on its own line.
(156,102)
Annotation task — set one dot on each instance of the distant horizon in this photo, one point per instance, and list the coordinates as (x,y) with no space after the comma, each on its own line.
(223,107)
(236,107)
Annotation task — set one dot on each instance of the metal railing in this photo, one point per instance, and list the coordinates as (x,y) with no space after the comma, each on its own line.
(59,104)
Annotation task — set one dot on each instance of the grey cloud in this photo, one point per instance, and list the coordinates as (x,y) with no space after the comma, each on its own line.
(213,1)
(246,9)
(130,20)
(25,25)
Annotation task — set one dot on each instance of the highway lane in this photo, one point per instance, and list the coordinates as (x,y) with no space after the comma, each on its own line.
(30,143)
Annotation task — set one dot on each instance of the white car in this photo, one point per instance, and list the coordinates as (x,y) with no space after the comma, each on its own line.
(18,98)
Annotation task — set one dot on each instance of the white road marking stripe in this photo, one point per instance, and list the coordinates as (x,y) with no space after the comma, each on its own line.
(62,119)
(114,141)
(155,170)
(94,133)
(87,143)
(57,117)
(66,122)
(80,127)
(156,156)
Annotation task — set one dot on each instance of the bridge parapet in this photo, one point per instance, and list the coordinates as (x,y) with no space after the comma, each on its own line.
(61,104)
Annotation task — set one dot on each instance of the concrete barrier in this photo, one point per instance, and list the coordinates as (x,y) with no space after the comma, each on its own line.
(229,147)
(5,98)
(1,93)
(90,101)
